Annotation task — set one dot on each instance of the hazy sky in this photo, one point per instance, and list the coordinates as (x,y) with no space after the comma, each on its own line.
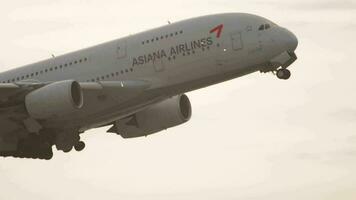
(253,138)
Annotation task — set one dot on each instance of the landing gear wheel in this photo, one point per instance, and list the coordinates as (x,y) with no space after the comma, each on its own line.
(68,150)
(48,155)
(79,146)
(283,74)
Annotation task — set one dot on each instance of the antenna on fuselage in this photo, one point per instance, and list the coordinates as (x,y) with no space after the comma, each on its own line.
(169,22)
(53,56)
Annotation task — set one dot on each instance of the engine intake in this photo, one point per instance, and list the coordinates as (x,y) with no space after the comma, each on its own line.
(54,100)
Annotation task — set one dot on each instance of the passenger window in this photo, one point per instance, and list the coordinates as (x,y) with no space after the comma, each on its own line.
(267,26)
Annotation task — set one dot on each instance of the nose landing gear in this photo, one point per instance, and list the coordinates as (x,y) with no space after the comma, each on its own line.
(283,74)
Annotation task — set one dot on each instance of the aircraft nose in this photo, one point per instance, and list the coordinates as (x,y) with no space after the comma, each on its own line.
(289,39)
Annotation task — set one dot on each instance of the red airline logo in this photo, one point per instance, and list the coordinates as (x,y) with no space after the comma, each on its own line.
(218,30)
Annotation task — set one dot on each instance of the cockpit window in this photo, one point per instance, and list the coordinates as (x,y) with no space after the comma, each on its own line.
(261,28)
(264,27)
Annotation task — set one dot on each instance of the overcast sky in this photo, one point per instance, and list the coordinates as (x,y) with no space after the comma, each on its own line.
(253,138)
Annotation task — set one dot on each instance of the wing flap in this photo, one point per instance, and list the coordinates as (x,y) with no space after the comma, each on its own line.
(117,85)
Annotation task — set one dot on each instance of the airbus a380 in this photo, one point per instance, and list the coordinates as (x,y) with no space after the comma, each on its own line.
(134,84)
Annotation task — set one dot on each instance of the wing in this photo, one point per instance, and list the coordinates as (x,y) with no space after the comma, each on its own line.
(9,90)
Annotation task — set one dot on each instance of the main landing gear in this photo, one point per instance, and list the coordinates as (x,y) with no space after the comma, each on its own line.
(79,146)
(283,74)
(66,141)
(34,147)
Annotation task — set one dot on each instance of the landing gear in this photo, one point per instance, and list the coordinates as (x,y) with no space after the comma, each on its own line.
(79,146)
(35,147)
(67,150)
(283,74)
(65,141)
(48,155)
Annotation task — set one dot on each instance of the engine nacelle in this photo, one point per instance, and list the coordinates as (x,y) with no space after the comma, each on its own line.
(169,113)
(54,100)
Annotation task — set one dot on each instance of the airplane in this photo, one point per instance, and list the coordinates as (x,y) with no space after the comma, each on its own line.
(136,84)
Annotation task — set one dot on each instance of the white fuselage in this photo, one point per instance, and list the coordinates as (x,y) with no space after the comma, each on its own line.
(176,58)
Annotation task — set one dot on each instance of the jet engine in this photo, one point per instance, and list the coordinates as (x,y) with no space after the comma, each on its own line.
(54,100)
(166,114)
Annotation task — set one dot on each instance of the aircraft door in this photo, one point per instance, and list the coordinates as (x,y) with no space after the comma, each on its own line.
(121,50)
(236,41)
